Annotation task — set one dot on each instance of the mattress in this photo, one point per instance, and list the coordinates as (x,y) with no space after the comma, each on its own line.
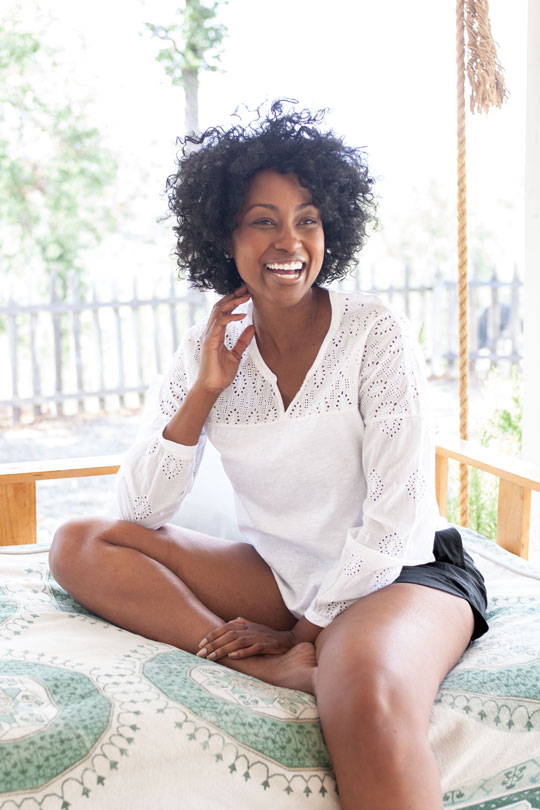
(96,717)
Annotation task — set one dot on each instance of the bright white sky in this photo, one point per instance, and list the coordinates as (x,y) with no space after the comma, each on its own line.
(386,69)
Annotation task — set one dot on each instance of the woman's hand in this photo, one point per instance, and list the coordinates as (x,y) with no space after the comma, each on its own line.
(218,365)
(240,639)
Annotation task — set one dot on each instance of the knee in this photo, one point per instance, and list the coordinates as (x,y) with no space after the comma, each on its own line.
(70,543)
(371,699)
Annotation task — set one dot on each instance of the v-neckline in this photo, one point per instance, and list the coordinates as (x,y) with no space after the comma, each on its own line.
(269,374)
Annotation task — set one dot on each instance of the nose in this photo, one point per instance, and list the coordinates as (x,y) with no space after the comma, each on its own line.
(287,238)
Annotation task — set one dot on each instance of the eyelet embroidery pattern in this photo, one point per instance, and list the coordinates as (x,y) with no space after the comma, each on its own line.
(153,448)
(416,486)
(172,467)
(384,577)
(141,507)
(354,565)
(391,544)
(333,609)
(375,485)
(391,427)
(389,385)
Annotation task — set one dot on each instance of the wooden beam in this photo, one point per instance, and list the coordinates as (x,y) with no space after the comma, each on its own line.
(59,468)
(18,491)
(503,466)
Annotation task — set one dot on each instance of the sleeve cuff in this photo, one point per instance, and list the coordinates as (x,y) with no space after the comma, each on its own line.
(187,451)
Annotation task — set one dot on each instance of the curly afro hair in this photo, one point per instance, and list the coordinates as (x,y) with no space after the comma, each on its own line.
(214,172)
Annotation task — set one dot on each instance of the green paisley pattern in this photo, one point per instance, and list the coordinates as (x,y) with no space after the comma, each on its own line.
(296,744)
(36,758)
(64,600)
(125,714)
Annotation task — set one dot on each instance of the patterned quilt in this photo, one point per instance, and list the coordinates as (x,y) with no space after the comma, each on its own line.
(92,716)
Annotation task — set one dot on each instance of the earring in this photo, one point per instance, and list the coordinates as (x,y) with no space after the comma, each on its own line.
(227,256)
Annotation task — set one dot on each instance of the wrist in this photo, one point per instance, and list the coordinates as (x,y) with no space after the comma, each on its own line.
(201,391)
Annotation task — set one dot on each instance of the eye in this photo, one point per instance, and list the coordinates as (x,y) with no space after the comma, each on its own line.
(309,221)
(265,221)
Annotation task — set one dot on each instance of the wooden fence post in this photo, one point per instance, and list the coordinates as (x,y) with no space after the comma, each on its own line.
(57,339)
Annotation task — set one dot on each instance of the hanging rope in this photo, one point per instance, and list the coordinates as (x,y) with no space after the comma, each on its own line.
(487,90)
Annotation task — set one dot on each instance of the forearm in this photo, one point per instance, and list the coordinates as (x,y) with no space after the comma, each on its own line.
(186,425)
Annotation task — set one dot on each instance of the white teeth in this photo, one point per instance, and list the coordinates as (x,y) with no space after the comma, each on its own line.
(286,266)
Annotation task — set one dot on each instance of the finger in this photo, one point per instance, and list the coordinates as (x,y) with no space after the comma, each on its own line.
(218,324)
(247,652)
(219,631)
(243,341)
(211,646)
(223,650)
(228,306)
(233,298)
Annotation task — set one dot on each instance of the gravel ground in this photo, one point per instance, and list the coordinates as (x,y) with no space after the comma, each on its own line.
(93,436)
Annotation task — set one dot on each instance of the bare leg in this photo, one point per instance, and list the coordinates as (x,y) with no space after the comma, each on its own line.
(174,585)
(380,664)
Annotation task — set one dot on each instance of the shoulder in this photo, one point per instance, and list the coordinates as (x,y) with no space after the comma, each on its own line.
(368,318)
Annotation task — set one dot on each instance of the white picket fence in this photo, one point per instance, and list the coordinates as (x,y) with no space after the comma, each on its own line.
(91,353)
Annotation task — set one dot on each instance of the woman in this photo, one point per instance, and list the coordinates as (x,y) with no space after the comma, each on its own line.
(315,400)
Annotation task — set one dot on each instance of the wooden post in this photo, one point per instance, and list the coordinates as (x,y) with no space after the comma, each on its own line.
(441,483)
(136,323)
(57,338)
(513,518)
(172,315)
(156,331)
(76,300)
(407,290)
(98,342)
(36,375)
(18,511)
(13,343)
(119,348)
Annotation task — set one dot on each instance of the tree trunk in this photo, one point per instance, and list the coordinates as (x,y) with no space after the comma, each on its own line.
(191,95)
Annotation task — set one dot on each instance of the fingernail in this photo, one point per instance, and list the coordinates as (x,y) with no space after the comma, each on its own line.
(202,652)
(212,655)
(203,643)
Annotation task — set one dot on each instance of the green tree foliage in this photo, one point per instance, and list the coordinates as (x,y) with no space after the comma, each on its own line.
(53,167)
(195,44)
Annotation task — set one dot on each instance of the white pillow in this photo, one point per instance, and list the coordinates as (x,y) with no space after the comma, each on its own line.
(209,507)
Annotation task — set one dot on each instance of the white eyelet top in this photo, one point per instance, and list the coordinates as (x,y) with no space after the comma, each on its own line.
(336,492)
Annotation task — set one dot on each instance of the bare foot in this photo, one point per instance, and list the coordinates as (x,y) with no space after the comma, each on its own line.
(295,669)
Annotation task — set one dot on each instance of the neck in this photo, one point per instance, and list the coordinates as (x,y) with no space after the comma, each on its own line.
(282,327)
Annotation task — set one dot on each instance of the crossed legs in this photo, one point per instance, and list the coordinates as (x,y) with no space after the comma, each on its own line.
(375,669)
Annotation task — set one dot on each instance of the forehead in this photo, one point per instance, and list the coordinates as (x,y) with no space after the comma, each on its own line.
(269,186)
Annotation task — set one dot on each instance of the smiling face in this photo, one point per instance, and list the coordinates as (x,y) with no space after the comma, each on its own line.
(278,242)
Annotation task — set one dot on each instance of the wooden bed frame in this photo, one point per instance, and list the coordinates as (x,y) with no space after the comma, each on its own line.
(517,480)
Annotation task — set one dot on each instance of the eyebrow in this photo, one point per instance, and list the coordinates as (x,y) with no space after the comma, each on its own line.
(275,207)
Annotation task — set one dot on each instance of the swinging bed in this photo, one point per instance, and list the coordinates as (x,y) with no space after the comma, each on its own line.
(93,716)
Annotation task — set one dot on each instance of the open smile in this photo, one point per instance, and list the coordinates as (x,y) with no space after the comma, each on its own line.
(286,270)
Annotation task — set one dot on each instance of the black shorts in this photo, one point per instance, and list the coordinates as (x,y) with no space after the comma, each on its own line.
(452,571)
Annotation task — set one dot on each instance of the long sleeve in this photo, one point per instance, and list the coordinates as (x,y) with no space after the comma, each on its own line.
(157,473)
(399,511)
